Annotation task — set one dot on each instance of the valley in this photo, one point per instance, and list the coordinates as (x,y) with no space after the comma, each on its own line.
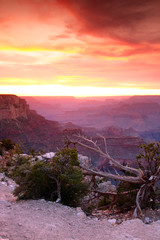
(39,123)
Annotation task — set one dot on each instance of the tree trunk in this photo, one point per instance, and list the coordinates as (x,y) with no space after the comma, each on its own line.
(58,190)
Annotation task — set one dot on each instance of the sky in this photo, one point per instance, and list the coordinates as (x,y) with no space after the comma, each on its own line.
(80,47)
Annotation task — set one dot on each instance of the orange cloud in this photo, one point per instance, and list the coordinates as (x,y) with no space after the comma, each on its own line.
(80,43)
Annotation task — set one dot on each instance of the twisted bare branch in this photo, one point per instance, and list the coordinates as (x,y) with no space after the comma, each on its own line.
(112,176)
(105,142)
(97,149)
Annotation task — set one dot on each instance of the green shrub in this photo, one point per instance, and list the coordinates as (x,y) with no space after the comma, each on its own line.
(33,182)
(127,201)
(6,144)
(40,179)
(105,201)
(73,187)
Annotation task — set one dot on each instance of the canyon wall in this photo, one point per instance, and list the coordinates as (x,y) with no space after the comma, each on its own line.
(12,107)
(26,127)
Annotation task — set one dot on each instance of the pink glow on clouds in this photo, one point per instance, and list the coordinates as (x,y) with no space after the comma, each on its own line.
(80,43)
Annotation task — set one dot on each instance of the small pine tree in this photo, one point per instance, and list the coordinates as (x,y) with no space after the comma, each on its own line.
(61,177)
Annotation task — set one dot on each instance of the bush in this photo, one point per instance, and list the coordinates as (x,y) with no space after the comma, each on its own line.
(6,145)
(105,201)
(41,179)
(73,188)
(33,182)
(128,201)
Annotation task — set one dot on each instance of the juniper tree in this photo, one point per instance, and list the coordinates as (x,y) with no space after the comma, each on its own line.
(146,175)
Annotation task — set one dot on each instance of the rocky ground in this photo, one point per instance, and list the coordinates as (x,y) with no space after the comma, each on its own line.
(39,219)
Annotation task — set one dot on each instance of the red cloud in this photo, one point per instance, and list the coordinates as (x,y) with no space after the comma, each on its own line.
(124,27)
(130,21)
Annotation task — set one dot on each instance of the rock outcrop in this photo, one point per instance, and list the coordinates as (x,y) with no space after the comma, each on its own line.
(12,107)
(25,126)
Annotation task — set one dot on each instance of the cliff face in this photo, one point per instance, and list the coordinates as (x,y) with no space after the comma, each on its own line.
(12,107)
(25,126)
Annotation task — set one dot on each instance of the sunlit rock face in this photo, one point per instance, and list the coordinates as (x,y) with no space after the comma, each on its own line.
(12,107)
(25,126)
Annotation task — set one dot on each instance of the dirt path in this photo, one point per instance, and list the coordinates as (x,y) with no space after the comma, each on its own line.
(42,220)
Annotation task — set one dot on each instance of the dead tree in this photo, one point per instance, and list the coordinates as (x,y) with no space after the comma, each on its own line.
(146,178)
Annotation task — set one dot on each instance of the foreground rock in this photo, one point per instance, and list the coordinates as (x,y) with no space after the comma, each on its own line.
(39,219)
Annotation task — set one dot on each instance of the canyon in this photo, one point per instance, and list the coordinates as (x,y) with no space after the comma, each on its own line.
(137,113)
(34,131)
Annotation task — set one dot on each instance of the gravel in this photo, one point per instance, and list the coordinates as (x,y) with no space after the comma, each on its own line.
(45,220)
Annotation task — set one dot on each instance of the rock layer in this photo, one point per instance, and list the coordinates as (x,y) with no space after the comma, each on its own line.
(12,107)
(25,126)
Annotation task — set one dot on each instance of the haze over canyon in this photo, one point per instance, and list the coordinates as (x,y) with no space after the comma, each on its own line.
(126,122)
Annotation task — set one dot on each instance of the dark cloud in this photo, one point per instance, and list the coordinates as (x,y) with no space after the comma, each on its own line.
(132,21)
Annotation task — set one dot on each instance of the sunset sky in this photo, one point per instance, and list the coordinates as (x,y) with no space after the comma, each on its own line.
(80,47)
